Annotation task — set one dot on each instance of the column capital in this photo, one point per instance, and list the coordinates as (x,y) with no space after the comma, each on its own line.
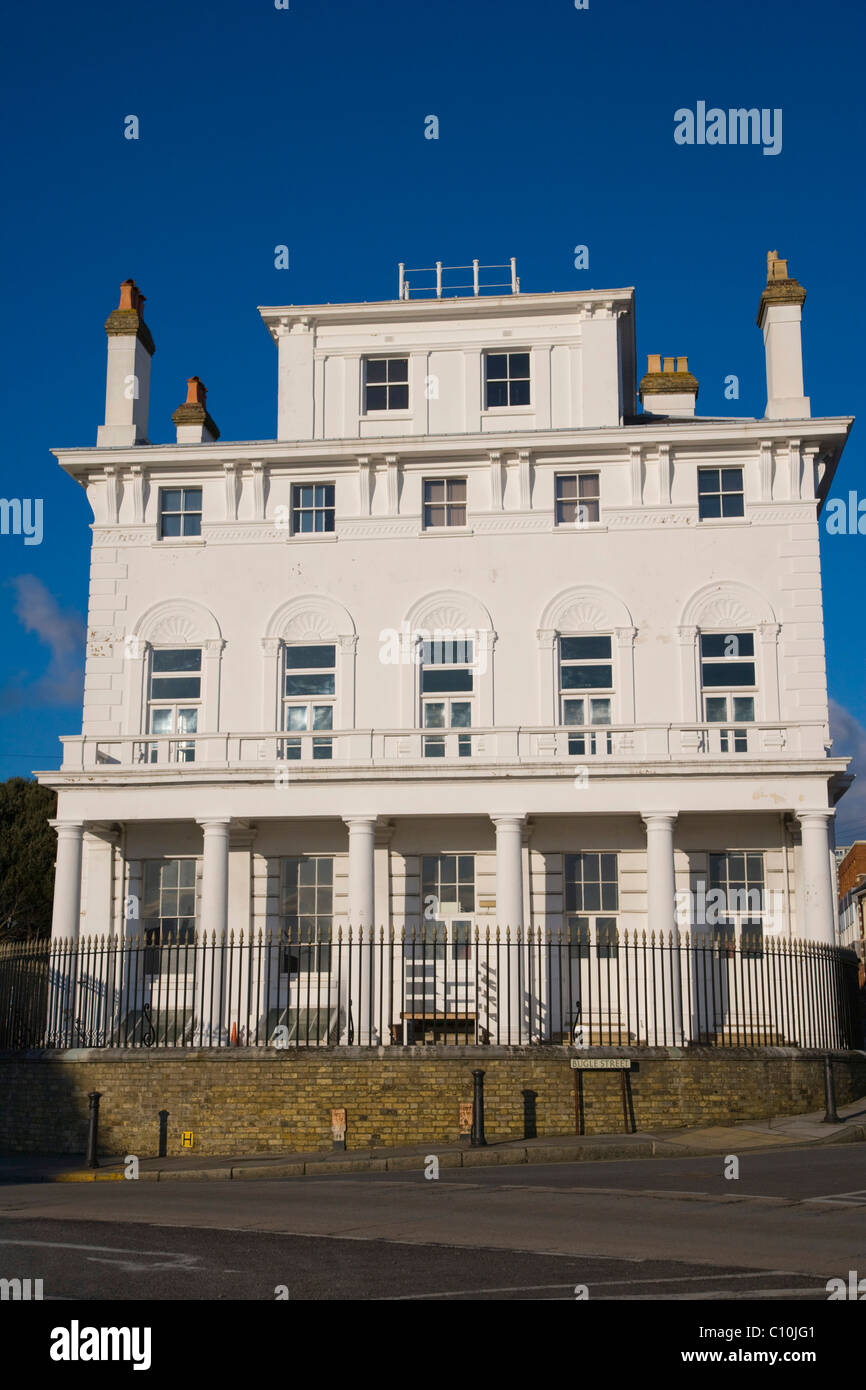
(360,822)
(220,824)
(68,828)
(514,818)
(815,817)
(659,820)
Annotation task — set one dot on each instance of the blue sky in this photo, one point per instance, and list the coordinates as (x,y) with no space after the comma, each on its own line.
(305,127)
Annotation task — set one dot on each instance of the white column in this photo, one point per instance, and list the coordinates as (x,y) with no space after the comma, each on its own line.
(213,923)
(66,914)
(509,917)
(362,906)
(661,919)
(817,877)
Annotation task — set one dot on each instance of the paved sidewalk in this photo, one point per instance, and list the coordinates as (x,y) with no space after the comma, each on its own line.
(788,1131)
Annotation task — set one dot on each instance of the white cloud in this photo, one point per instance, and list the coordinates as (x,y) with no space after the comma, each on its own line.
(849,741)
(62,681)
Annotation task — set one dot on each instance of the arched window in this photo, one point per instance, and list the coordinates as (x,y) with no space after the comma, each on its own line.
(309,675)
(586,665)
(174,653)
(728,638)
(446,676)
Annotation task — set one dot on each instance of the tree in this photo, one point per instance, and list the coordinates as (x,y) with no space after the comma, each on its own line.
(28,848)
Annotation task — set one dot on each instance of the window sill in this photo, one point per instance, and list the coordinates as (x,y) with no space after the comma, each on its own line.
(445,531)
(304,537)
(570,527)
(724,521)
(177,542)
(386,415)
(503,412)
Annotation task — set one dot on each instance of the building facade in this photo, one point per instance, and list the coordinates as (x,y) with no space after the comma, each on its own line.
(475,642)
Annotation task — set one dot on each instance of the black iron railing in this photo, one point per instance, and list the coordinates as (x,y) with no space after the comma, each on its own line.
(432,984)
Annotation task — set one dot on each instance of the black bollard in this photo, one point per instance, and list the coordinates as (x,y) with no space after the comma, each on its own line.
(163,1134)
(830,1118)
(92,1128)
(478,1141)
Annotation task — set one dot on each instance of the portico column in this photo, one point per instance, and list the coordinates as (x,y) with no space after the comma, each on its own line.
(362,905)
(661,920)
(65,921)
(66,912)
(817,876)
(509,917)
(214,924)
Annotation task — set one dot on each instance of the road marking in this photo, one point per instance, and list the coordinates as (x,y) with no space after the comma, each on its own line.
(848,1199)
(182,1257)
(601,1284)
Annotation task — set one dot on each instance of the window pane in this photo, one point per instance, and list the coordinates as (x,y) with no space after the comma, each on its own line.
(175,687)
(709,507)
(718,673)
(732,480)
(178,659)
(377,397)
(310,685)
(708,480)
(398,368)
(160,721)
(717,709)
(398,398)
(599,711)
(497,394)
(585,648)
(461,714)
(323,717)
(744,709)
(171,525)
(192,499)
(589,485)
(434,490)
(732,505)
(518,364)
(572,712)
(434,715)
(296,716)
(306,658)
(456,489)
(587,677)
(377,369)
(727,644)
(518,393)
(436,680)
(566,487)
(187,720)
(497,366)
(434,516)
(192,525)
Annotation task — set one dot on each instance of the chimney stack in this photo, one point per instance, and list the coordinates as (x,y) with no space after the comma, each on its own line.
(194,425)
(668,388)
(779,316)
(127,384)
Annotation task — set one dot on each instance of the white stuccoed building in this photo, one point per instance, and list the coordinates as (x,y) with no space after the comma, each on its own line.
(473,642)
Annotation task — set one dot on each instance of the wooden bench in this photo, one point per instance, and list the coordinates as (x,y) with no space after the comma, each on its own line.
(462,1026)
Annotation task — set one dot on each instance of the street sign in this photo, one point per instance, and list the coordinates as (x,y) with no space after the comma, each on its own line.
(600,1064)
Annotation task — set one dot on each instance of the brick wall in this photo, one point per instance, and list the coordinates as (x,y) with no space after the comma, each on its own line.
(277,1102)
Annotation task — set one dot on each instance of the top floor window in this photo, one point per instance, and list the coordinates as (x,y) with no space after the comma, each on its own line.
(506,376)
(720,493)
(577,498)
(312,508)
(174,699)
(179,511)
(444,502)
(728,683)
(386,383)
(586,689)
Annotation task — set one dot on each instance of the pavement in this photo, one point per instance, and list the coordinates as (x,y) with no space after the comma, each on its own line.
(788,1131)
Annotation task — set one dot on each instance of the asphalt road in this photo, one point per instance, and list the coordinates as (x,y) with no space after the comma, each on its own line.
(656,1229)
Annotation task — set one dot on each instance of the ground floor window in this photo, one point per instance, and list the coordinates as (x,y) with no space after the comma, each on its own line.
(306,913)
(167,912)
(736,909)
(591,904)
